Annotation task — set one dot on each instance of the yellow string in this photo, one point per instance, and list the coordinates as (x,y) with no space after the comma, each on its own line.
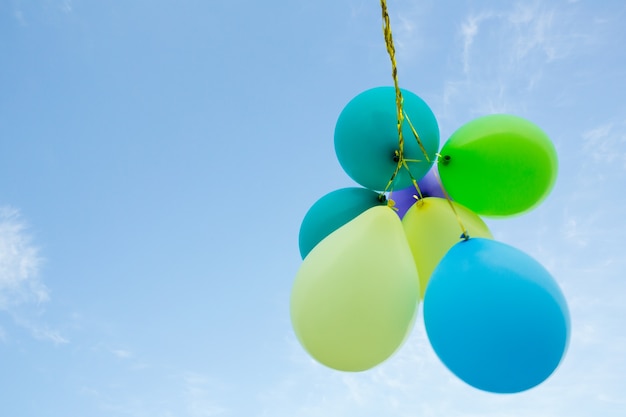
(391,50)
(417,137)
(401,115)
(465,235)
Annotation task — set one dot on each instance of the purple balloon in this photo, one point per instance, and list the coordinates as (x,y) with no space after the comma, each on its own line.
(404,199)
(429,186)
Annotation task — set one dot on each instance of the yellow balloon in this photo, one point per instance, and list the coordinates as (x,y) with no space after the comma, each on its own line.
(432,229)
(355,296)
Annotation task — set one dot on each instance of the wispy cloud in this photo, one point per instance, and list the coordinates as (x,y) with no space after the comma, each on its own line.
(40,331)
(410,30)
(22,292)
(19,263)
(179,394)
(66,6)
(121,353)
(505,54)
(23,12)
(414,382)
(597,170)
(469,30)
(199,397)
(18,12)
(606,144)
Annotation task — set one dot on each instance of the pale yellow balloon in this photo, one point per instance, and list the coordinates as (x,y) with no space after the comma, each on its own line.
(355,296)
(432,229)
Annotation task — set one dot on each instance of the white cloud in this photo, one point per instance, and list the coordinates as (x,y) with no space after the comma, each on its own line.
(506,55)
(42,332)
(469,30)
(410,31)
(606,144)
(22,291)
(66,6)
(199,398)
(22,14)
(178,394)
(18,13)
(121,353)
(19,263)
(19,16)
(533,31)
(414,382)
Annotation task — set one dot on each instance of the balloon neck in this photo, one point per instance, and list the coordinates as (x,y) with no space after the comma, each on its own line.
(465,236)
(446,160)
(396,156)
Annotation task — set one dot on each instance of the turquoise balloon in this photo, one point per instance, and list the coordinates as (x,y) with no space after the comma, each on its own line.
(333,211)
(366,138)
(495,317)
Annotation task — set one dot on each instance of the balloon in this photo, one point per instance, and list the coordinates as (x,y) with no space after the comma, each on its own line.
(404,199)
(333,211)
(495,317)
(366,137)
(355,295)
(429,186)
(498,165)
(432,228)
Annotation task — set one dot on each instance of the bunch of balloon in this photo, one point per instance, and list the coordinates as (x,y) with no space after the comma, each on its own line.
(355,296)
(494,316)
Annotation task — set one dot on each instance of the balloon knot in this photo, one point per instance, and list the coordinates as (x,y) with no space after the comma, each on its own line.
(382,198)
(396,156)
(465,236)
(446,160)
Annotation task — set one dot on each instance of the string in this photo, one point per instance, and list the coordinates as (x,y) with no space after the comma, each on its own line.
(401,116)
(391,50)
(400,113)
(417,137)
(465,235)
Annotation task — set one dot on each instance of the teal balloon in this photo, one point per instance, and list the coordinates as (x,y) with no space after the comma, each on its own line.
(495,317)
(366,138)
(333,211)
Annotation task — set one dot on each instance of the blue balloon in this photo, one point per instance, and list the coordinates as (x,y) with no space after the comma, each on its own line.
(495,316)
(366,138)
(331,212)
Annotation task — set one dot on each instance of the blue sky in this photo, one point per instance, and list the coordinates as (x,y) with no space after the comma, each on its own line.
(156,160)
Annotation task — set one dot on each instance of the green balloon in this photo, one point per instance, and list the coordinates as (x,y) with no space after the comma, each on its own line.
(498,165)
